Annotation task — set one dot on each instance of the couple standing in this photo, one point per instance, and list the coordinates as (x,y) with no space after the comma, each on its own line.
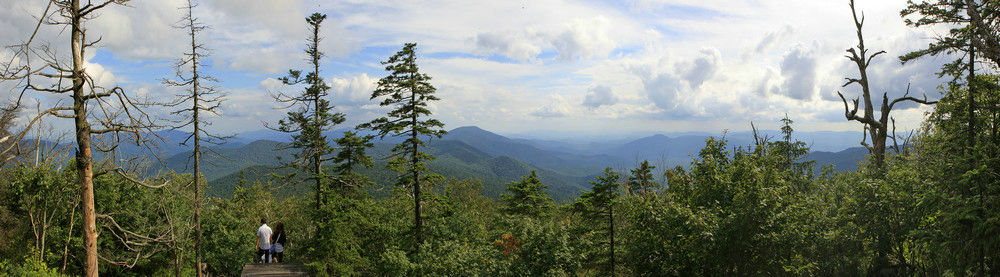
(271,245)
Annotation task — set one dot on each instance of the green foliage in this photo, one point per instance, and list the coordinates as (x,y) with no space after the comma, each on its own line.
(407,92)
(352,154)
(641,181)
(314,114)
(956,187)
(527,197)
(941,12)
(31,265)
(230,227)
(597,210)
(545,248)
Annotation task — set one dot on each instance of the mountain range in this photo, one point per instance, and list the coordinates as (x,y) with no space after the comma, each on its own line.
(471,152)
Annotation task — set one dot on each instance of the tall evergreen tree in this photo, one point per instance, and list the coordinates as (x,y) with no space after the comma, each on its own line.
(313,116)
(960,39)
(408,92)
(973,31)
(641,181)
(527,197)
(351,154)
(597,206)
(791,150)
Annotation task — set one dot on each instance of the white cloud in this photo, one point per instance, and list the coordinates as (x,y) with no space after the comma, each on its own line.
(600,96)
(556,107)
(670,62)
(798,67)
(584,38)
(702,68)
(515,46)
(665,91)
(352,91)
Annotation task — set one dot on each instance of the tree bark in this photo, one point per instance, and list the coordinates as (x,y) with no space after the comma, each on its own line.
(416,171)
(84,154)
(197,144)
(972,97)
(317,153)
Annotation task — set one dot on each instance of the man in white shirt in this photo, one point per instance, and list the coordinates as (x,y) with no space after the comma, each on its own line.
(264,241)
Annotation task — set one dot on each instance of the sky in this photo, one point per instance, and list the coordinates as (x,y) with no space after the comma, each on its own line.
(522,67)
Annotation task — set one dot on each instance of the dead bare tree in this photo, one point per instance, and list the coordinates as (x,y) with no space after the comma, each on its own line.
(108,114)
(200,98)
(876,128)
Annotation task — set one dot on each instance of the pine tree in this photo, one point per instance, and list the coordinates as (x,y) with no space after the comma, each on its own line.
(974,37)
(597,207)
(408,92)
(789,150)
(351,154)
(960,39)
(527,197)
(313,116)
(641,181)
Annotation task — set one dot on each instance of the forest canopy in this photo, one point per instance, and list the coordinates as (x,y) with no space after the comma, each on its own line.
(387,191)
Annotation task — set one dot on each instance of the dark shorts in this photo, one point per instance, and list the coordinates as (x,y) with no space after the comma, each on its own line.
(263,252)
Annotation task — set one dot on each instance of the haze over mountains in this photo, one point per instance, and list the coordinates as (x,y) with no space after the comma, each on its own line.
(470,152)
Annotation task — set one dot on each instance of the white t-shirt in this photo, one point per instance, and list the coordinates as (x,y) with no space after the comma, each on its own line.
(264,237)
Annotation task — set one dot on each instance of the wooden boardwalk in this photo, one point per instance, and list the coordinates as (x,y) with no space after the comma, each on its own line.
(255,269)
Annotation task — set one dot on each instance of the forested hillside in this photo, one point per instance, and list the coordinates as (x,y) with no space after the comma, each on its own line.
(462,154)
(654,138)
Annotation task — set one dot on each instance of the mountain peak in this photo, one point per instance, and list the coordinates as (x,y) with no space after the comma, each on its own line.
(467,129)
(472,132)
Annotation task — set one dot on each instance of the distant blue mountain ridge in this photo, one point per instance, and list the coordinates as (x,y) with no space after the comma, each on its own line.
(471,152)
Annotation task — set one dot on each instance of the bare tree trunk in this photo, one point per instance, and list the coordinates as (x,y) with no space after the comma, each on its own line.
(84,154)
(877,128)
(177,262)
(72,216)
(195,110)
(197,176)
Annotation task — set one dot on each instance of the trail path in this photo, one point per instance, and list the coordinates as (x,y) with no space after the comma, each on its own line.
(261,270)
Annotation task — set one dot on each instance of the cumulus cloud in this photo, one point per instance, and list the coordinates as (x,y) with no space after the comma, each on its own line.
(771,39)
(728,63)
(798,67)
(581,38)
(702,68)
(664,91)
(270,84)
(515,46)
(141,32)
(556,107)
(584,38)
(599,96)
(352,91)
(683,88)
(101,76)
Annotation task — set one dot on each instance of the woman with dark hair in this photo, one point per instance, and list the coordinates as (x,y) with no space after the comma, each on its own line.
(278,241)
